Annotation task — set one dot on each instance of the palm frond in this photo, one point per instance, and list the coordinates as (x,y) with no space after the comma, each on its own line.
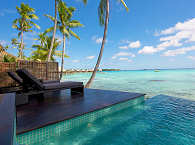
(50,17)
(74,23)
(59,54)
(19,34)
(124,4)
(37,26)
(49,30)
(102,11)
(74,34)
(85,1)
(33,16)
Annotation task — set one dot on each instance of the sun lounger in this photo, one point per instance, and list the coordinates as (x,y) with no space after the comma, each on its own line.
(32,86)
(30,81)
(37,85)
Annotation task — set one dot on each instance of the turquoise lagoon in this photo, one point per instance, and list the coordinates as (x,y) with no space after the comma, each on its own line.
(178,82)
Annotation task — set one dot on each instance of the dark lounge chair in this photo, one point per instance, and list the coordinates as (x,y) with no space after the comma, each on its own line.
(31,85)
(30,81)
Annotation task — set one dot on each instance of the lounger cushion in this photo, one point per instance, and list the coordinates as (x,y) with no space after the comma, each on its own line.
(50,81)
(67,84)
(15,77)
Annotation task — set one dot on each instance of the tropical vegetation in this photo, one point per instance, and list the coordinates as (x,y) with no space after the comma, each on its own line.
(47,46)
(41,50)
(5,56)
(65,24)
(24,24)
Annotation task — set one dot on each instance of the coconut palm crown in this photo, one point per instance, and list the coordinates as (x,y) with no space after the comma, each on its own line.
(24,23)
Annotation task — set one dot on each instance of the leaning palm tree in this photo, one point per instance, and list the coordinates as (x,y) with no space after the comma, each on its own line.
(24,23)
(103,12)
(65,24)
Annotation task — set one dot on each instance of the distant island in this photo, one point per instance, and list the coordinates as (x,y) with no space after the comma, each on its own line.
(70,71)
(110,69)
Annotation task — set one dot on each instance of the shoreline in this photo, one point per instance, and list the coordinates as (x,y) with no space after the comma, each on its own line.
(87,71)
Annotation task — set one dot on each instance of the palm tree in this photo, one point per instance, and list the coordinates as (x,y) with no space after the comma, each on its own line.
(16,44)
(42,38)
(103,12)
(41,51)
(24,23)
(54,32)
(65,24)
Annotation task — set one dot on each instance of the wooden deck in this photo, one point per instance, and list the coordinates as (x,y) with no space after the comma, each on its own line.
(59,106)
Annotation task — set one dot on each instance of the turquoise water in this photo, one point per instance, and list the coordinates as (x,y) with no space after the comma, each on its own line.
(161,120)
(179,83)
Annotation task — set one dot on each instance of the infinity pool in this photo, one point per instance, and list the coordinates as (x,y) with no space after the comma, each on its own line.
(161,120)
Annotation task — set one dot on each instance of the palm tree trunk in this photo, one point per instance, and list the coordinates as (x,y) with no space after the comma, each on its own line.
(63,52)
(54,33)
(102,47)
(22,46)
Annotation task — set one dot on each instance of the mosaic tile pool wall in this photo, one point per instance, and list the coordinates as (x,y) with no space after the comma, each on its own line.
(58,128)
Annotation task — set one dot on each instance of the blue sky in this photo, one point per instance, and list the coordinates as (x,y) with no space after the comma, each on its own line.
(153,34)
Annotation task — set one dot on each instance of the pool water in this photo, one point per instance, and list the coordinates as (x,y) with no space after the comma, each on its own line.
(179,82)
(161,120)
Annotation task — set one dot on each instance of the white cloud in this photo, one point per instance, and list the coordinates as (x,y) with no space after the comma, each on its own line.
(150,50)
(191,57)
(135,44)
(90,57)
(7,11)
(97,39)
(176,36)
(185,26)
(76,61)
(179,33)
(3,42)
(178,51)
(123,47)
(124,41)
(123,58)
(123,54)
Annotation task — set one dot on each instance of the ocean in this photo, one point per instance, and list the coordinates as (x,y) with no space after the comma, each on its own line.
(178,82)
